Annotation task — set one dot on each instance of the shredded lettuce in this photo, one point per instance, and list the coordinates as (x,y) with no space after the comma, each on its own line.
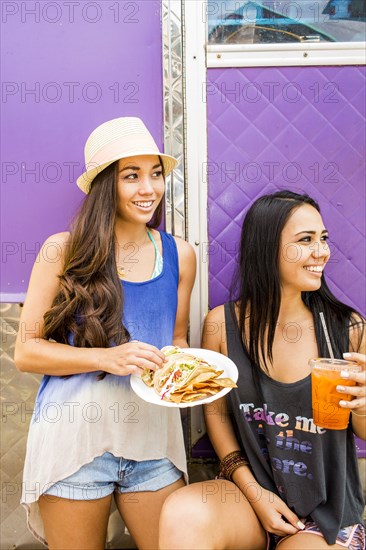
(172,351)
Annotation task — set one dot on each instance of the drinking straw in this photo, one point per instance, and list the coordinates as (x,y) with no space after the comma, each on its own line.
(326,334)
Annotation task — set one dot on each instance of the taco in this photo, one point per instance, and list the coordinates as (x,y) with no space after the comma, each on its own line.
(185,377)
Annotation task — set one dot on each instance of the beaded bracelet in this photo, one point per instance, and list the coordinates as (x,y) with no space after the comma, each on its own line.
(230,463)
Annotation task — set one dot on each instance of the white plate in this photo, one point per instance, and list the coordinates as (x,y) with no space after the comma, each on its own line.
(217,359)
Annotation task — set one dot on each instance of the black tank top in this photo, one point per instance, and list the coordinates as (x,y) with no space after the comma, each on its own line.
(313,470)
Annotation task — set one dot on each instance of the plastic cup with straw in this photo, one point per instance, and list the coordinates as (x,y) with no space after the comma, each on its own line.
(326,334)
(325,377)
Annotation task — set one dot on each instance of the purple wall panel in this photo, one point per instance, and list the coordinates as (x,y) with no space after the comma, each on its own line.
(300,128)
(86,64)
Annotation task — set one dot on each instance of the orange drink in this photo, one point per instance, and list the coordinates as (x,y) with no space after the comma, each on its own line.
(325,377)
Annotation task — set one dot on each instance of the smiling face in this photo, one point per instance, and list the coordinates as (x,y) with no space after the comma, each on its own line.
(303,250)
(140,188)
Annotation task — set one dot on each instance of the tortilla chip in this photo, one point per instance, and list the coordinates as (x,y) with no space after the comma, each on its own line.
(187,397)
(226,383)
(176,397)
(202,377)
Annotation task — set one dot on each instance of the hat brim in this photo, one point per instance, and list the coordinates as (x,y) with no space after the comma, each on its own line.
(85,180)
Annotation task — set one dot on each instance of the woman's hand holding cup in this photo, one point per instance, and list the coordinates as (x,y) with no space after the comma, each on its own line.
(358,403)
(325,382)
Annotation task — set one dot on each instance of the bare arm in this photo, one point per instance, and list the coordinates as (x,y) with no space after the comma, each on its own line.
(357,353)
(35,354)
(218,422)
(268,506)
(187,274)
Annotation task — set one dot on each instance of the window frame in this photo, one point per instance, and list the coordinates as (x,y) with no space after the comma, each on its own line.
(280,55)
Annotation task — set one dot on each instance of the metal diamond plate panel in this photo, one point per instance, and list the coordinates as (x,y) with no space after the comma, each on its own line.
(18,391)
(301,128)
(175,218)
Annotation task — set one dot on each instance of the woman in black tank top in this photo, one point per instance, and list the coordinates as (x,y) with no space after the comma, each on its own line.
(284,481)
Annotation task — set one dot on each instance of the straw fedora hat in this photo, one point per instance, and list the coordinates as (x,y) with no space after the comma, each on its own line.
(117,139)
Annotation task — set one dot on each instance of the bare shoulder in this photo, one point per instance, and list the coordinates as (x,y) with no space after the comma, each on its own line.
(51,257)
(53,250)
(214,333)
(58,240)
(185,249)
(187,259)
(216,315)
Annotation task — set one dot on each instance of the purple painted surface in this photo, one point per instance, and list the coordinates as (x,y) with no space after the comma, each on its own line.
(86,64)
(361,448)
(300,128)
(295,128)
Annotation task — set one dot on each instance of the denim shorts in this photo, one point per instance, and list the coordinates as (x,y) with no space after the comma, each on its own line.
(352,537)
(107,473)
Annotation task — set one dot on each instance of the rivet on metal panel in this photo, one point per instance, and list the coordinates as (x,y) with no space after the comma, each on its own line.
(305,54)
(199,430)
(219,56)
(196,243)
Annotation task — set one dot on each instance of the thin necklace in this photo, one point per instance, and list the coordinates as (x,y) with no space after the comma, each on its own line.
(131,257)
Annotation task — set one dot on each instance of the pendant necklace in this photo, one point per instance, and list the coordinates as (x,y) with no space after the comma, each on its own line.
(123,271)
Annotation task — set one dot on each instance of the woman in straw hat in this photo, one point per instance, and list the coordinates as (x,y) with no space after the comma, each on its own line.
(285,481)
(118,292)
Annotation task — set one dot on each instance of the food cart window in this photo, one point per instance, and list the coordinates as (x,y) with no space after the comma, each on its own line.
(320,25)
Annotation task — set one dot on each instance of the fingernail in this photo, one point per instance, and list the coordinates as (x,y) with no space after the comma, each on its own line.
(343,403)
(300,525)
(341,388)
(344,374)
(347,355)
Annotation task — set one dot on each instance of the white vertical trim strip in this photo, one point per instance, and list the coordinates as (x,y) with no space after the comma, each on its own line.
(196,155)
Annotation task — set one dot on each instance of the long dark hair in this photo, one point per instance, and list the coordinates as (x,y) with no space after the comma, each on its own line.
(256,285)
(89,303)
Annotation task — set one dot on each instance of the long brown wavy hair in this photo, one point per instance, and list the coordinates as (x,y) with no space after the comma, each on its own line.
(88,308)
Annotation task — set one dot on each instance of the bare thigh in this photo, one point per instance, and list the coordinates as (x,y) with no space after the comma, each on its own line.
(141,511)
(75,524)
(212,515)
(306,541)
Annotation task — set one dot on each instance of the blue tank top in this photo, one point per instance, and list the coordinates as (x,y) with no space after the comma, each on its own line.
(107,415)
(149,312)
(150,307)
